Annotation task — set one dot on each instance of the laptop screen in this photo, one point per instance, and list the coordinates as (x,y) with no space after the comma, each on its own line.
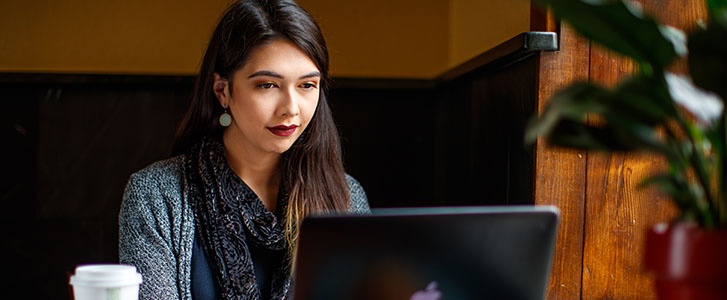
(427,254)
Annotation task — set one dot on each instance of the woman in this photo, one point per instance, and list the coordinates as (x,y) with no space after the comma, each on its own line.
(257,151)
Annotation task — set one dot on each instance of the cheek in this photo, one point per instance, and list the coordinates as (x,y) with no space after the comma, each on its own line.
(253,111)
(310,107)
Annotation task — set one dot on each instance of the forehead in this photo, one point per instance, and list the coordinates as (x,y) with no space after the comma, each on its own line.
(279,56)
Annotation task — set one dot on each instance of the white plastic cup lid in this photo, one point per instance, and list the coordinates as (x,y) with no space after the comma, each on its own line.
(108,275)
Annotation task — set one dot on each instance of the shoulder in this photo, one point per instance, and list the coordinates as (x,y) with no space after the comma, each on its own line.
(155,188)
(359,201)
(159,172)
(163,177)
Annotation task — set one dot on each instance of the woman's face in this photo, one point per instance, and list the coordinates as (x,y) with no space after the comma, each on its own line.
(273,97)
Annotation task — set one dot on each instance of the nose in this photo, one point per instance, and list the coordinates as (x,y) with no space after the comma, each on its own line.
(288,105)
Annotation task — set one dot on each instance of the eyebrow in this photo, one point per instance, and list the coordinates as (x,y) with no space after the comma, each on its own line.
(273,74)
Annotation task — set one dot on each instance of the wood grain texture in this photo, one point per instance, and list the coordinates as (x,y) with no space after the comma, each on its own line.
(560,175)
(618,214)
(682,14)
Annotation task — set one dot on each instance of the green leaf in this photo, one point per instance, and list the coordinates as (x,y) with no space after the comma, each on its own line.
(638,104)
(573,134)
(630,115)
(716,5)
(716,137)
(686,195)
(704,105)
(572,103)
(642,98)
(708,59)
(677,38)
(674,186)
(718,11)
(619,26)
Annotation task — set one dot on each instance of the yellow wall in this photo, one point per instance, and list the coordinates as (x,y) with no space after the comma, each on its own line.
(105,36)
(479,25)
(374,38)
(384,38)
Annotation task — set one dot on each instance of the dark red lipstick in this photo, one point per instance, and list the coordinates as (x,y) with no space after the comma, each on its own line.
(283,130)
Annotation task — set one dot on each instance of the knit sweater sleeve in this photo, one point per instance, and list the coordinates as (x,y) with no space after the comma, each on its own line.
(359,202)
(146,236)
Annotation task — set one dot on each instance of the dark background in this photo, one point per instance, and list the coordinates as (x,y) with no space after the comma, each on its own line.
(70,143)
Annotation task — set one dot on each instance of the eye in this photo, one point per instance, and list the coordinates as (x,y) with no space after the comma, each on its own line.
(267,85)
(309,85)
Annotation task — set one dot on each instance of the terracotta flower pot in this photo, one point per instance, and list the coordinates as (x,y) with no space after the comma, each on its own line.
(688,262)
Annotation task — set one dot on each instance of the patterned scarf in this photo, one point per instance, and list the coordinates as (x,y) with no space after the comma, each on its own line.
(229,217)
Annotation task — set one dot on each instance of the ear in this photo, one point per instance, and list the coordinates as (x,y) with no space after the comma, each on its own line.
(222,89)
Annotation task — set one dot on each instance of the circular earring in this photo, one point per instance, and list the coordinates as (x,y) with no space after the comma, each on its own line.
(226,118)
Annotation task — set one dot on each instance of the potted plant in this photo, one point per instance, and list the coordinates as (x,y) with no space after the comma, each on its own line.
(677,116)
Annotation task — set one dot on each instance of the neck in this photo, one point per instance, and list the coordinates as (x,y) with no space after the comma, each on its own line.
(257,168)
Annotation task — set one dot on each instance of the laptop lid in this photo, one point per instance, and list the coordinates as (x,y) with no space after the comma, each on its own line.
(427,253)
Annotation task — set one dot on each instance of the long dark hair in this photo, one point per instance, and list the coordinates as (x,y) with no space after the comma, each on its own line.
(312,173)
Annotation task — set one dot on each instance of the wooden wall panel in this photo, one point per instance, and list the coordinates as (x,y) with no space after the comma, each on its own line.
(616,218)
(387,140)
(481,117)
(618,214)
(560,174)
(501,166)
(452,144)
(71,148)
(19,132)
(681,14)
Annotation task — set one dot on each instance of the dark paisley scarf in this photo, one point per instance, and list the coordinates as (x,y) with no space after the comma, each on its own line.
(229,217)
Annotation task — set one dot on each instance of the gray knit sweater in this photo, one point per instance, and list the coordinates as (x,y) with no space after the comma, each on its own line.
(156,228)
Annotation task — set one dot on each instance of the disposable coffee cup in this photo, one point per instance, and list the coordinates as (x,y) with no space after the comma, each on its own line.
(106,282)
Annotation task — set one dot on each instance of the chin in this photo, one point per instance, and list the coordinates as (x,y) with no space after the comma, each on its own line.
(280,148)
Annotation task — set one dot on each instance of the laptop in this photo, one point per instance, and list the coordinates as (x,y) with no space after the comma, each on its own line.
(483,252)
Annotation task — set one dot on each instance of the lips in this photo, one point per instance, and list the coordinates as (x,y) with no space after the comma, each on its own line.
(283,130)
